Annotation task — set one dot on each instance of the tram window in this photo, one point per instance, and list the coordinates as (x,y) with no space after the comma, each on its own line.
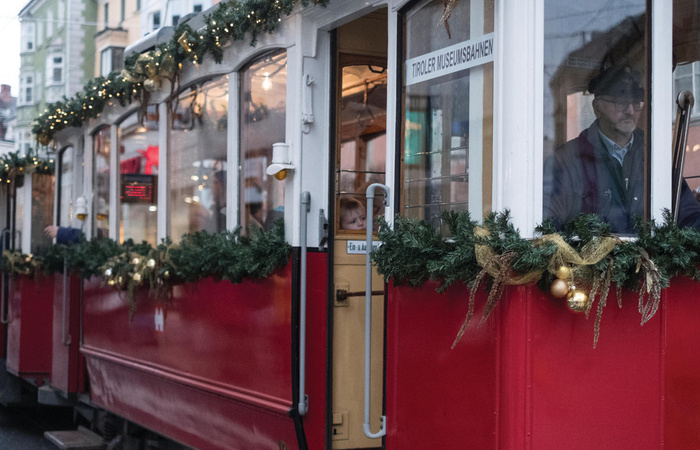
(19,202)
(138,175)
(263,115)
(595,88)
(101,148)
(447,110)
(197,159)
(361,158)
(42,210)
(66,161)
(687,77)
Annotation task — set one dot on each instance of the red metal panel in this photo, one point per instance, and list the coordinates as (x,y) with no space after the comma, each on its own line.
(211,367)
(437,397)
(529,377)
(584,398)
(67,365)
(316,344)
(681,314)
(29,330)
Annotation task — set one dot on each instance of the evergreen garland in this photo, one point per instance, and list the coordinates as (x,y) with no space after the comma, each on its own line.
(233,20)
(16,163)
(413,252)
(222,256)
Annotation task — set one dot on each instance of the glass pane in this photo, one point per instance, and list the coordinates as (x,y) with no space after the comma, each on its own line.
(448,110)
(138,172)
(100,207)
(197,159)
(19,211)
(66,163)
(42,211)
(362,154)
(594,92)
(263,115)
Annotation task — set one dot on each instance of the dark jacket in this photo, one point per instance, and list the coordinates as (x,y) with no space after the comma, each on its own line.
(582,176)
(68,236)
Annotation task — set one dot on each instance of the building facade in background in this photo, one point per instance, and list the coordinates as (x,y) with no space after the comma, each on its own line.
(57,57)
(8,112)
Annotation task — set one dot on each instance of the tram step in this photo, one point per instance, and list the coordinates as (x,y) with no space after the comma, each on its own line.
(82,439)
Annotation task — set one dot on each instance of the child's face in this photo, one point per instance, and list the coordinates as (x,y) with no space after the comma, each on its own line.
(353,219)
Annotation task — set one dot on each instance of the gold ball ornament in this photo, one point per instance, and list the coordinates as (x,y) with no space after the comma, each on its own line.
(137,277)
(577,302)
(166,274)
(559,288)
(111,282)
(135,261)
(151,263)
(563,273)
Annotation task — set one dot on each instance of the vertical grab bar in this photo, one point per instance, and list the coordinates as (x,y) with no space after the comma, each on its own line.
(685,103)
(303,398)
(368,310)
(5,288)
(65,339)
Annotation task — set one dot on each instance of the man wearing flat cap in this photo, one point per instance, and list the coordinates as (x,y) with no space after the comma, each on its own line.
(602,170)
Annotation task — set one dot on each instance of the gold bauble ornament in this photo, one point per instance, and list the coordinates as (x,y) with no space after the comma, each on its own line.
(559,288)
(151,263)
(111,282)
(135,261)
(577,302)
(563,273)
(166,274)
(137,277)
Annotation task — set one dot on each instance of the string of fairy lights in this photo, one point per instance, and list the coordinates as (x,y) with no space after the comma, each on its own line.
(233,20)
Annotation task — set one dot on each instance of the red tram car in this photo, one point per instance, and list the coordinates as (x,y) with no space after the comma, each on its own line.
(339,113)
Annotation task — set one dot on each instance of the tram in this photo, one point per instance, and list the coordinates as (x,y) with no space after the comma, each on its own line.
(302,142)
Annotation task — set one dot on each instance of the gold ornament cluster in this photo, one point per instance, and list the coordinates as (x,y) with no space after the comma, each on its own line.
(563,286)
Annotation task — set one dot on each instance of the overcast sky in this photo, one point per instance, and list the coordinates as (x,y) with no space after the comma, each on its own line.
(9,44)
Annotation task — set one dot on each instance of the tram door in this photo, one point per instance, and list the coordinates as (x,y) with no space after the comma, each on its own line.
(360,139)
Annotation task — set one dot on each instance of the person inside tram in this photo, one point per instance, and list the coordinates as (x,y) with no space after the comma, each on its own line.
(602,170)
(352,214)
(63,235)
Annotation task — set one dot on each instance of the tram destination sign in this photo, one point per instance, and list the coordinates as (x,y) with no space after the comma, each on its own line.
(454,58)
(138,188)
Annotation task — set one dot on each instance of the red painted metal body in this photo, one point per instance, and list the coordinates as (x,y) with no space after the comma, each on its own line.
(67,364)
(212,366)
(529,378)
(29,327)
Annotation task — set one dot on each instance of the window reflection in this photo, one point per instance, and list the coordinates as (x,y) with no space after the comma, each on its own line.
(138,176)
(100,207)
(263,115)
(65,170)
(448,110)
(42,211)
(197,159)
(362,154)
(594,154)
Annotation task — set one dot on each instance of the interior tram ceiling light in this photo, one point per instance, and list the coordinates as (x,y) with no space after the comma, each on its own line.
(267,83)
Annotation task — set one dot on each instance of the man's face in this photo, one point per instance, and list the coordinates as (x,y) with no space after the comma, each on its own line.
(617,116)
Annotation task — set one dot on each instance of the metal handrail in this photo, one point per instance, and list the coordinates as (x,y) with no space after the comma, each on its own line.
(368,310)
(4,290)
(65,338)
(685,103)
(303,398)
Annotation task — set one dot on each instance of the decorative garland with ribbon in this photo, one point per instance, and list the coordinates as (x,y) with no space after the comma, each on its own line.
(579,262)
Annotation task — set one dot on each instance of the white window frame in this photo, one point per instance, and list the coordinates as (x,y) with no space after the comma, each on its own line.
(519,105)
(28,37)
